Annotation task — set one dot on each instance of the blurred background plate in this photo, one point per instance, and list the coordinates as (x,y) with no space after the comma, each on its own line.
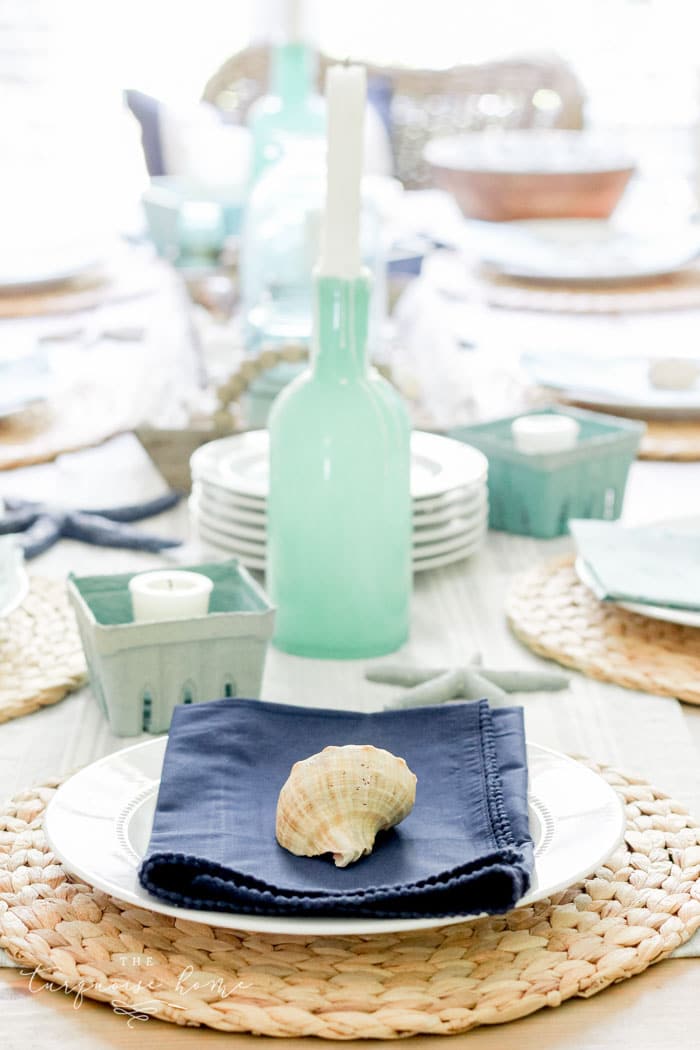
(583,250)
(24,381)
(618,384)
(249,541)
(41,262)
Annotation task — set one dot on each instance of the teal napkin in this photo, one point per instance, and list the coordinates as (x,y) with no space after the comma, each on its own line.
(653,565)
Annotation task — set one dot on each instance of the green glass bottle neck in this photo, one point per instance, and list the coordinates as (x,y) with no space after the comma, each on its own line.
(293,73)
(341,325)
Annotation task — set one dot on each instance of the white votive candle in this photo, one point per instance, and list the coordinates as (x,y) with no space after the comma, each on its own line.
(169,594)
(544,433)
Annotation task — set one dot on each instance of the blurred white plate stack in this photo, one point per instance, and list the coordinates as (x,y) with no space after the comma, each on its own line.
(228,505)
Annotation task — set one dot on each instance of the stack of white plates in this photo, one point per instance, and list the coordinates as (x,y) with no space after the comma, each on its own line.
(448,485)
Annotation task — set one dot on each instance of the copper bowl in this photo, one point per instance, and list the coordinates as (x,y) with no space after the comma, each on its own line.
(503,175)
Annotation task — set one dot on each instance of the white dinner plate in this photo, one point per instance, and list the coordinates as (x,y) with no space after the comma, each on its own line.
(686,617)
(583,250)
(213,548)
(452,557)
(227,503)
(25,381)
(619,384)
(43,262)
(443,509)
(99,823)
(218,518)
(216,530)
(239,464)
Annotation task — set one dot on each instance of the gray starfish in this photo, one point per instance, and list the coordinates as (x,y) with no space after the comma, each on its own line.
(472,682)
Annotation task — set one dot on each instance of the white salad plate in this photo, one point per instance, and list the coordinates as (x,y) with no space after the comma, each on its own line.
(456,543)
(613,383)
(451,557)
(213,516)
(685,617)
(583,250)
(47,261)
(251,561)
(240,464)
(459,503)
(99,823)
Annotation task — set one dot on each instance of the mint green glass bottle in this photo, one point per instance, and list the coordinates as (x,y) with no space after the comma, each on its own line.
(291,107)
(339,505)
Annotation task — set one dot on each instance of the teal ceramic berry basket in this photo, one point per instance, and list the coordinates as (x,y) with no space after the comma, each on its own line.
(139,672)
(536,494)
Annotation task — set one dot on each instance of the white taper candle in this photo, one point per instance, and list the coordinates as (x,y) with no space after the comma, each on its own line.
(292,21)
(346,90)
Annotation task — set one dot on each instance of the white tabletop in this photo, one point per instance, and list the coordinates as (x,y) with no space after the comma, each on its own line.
(455,611)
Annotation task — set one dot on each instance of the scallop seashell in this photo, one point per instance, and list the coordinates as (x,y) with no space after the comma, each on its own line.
(336,801)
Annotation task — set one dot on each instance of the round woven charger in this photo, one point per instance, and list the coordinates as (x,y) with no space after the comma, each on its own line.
(663,439)
(41,658)
(557,616)
(635,910)
(680,291)
(674,441)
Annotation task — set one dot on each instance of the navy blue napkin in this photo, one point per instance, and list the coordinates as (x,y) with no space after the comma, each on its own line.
(465,847)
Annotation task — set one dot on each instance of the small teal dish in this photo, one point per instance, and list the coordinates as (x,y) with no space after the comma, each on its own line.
(536,494)
(189,222)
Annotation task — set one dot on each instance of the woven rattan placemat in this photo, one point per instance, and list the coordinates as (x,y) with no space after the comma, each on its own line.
(671,441)
(557,616)
(680,291)
(664,439)
(636,909)
(41,659)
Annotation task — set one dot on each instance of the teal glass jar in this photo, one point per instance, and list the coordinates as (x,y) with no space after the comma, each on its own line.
(339,505)
(279,248)
(292,105)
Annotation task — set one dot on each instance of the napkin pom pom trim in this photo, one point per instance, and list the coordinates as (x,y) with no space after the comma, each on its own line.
(494,789)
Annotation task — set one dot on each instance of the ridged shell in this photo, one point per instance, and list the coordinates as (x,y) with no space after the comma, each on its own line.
(336,801)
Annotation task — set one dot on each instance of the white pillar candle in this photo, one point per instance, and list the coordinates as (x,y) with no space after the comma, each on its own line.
(544,433)
(346,90)
(169,594)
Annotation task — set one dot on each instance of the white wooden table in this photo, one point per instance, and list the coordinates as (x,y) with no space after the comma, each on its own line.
(455,611)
